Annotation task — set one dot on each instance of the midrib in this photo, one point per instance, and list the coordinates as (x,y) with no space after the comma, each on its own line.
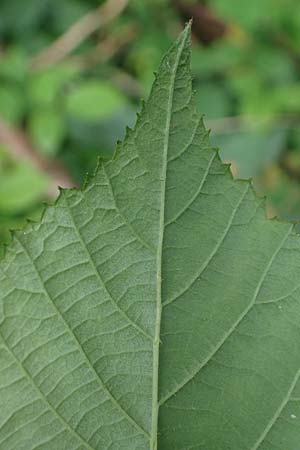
(156,342)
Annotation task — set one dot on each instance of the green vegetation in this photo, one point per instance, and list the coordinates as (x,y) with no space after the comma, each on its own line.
(72,104)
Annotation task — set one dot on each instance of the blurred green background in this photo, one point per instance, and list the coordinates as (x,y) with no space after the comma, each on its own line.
(72,73)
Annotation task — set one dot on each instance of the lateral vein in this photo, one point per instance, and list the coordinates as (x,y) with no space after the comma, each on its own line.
(201,365)
(81,350)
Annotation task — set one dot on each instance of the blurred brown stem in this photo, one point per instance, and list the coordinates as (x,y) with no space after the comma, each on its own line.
(78,32)
(18,145)
(104,50)
(206,27)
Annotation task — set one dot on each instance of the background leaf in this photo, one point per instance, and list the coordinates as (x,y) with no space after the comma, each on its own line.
(245,67)
(92,100)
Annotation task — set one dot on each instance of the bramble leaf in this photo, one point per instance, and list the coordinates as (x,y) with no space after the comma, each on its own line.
(157,308)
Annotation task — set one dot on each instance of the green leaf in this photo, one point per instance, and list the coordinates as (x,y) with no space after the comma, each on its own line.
(251,151)
(11,103)
(21,186)
(47,130)
(46,87)
(249,14)
(14,64)
(213,99)
(21,21)
(157,308)
(94,100)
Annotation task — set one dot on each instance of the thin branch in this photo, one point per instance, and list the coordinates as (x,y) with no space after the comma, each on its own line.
(104,50)
(78,32)
(19,147)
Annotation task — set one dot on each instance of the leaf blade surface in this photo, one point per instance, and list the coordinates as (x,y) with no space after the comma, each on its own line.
(157,308)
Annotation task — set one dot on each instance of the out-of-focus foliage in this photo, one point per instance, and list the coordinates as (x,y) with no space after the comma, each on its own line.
(247,80)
